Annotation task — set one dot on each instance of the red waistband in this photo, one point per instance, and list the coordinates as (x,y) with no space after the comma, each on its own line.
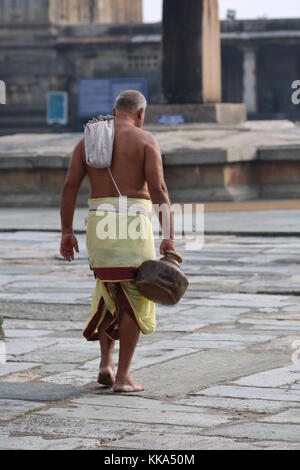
(115,274)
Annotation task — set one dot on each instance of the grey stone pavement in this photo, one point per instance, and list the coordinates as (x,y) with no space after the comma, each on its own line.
(221,372)
(266,222)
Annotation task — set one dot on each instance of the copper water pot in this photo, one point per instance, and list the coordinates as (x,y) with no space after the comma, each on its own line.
(163,282)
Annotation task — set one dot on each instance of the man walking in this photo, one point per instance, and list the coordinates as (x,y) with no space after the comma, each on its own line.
(119,311)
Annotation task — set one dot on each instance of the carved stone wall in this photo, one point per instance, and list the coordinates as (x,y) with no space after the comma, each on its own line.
(23,11)
(95,11)
(70,11)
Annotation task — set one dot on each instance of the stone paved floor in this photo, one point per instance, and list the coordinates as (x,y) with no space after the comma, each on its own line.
(229,218)
(219,373)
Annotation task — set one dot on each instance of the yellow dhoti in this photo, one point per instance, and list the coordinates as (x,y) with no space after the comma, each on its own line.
(119,240)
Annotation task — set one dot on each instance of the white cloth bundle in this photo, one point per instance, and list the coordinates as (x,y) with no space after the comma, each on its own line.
(99,140)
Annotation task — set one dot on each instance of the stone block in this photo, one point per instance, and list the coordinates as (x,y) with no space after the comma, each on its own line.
(19,181)
(177,176)
(220,113)
(262,431)
(238,175)
(53,180)
(278,173)
(213,175)
(279,153)
(39,392)
(193,158)
(39,443)
(11,409)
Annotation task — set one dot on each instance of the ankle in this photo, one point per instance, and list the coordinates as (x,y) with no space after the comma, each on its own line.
(105,365)
(123,377)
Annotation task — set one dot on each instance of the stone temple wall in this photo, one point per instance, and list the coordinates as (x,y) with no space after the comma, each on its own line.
(70,11)
(24,11)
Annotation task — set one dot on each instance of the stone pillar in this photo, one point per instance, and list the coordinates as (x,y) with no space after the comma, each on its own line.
(191,52)
(250,81)
(103,12)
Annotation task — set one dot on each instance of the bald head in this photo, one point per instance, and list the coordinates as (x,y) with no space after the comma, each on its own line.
(131,101)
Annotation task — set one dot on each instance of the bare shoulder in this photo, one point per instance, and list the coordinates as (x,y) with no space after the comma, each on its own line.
(79,151)
(149,139)
(79,147)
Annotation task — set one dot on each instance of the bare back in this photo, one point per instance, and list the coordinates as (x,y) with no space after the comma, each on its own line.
(128,166)
(137,168)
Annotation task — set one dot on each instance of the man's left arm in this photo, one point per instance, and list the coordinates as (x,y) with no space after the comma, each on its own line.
(76,174)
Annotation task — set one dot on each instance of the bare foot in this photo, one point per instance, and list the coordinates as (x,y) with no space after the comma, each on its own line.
(127,385)
(106,377)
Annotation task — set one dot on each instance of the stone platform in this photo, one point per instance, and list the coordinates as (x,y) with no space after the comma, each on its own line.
(203,162)
(221,372)
(220,113)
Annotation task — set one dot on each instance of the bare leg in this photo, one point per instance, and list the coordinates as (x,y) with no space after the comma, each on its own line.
(107,366)
(129,336)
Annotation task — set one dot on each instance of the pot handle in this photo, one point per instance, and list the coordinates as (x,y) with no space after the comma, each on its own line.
(173,256)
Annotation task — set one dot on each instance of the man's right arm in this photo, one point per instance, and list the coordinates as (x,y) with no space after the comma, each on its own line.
(154,172)
(77,172)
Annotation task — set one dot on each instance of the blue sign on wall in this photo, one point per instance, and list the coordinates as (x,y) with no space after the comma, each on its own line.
(98,96)
(172,120)
(57,108)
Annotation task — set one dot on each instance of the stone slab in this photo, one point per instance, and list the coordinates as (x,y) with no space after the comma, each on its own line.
(18,333)
(253,393)
(10,409)
(291,416)
(59,426)
(198,341)
(13,367)
(46,326)
(262,221)
(162,416)
(159,441)
(205,368)
(38,392)
(49,312)
(236,405)
(245,300)
(271,325)
(65,350)
(39,443)
(273,378)
(18,347)
(146,356)
(262,431)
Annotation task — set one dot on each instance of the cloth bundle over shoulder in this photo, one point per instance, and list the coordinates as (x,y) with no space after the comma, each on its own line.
(99,137)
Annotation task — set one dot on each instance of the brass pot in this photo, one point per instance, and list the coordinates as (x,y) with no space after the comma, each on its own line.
(163,282)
